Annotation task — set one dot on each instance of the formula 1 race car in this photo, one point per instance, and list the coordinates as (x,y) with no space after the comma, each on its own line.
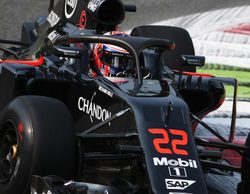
(67,127)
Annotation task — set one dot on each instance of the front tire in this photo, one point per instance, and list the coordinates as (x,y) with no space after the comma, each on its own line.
(36,137)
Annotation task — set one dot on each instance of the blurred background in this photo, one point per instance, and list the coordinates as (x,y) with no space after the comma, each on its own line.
(220,30)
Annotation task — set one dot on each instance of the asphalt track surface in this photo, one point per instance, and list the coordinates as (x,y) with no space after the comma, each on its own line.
(14,12)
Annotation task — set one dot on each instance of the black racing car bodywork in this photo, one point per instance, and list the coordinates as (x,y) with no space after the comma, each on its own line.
(130,135)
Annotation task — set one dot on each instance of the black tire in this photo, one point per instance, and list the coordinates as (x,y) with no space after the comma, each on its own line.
(244,186)
(42,129)
(245,163)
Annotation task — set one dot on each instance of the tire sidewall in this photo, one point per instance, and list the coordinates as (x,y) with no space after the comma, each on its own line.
(22,172)
(33,156)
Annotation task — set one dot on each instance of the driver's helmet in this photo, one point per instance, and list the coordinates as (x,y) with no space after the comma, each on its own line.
(112,60)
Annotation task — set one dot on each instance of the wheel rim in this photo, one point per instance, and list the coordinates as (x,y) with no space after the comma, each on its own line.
(8,152)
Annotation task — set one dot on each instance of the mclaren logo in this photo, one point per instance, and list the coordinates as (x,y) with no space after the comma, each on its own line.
(70,7)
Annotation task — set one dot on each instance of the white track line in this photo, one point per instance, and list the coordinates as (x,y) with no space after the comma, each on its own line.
(209,39)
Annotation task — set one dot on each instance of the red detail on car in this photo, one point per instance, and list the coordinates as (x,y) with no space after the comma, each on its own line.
(178,142)
(33,63)
(240,29)
(218,105)
(231,156)
(20,130)
(118,80)
(197,74)
(83,20)
(161,141)
(182,140)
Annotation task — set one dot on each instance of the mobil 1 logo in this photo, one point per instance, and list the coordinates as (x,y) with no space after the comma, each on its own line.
(70,7)
(177,171)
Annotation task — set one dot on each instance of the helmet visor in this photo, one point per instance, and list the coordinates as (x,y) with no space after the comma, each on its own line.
(118,62)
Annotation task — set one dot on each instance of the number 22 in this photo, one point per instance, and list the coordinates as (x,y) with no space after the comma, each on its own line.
(174,142)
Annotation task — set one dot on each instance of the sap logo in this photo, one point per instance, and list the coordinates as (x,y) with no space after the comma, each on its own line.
(178,184)
(172,162)
(70,7)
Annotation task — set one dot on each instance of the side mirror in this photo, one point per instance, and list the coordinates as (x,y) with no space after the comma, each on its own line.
(191,60)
